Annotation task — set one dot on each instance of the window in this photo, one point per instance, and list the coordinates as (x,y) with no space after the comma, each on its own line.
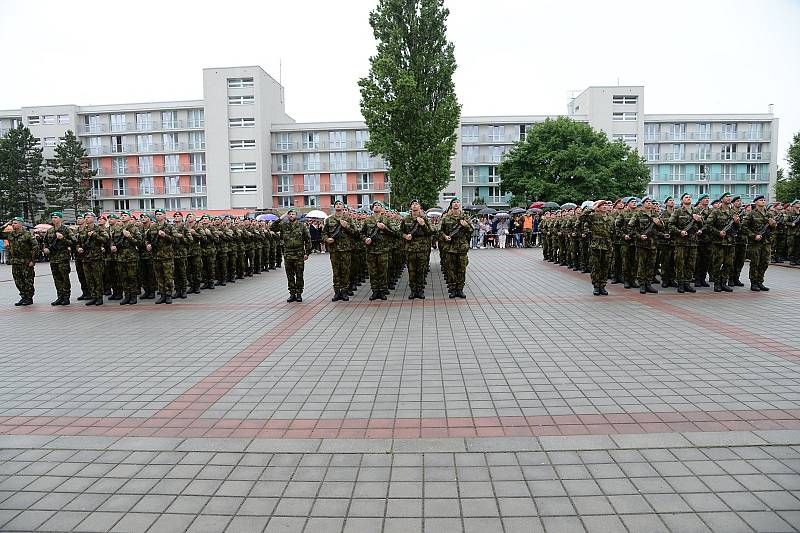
(94,165)
(144,121)
(752,190)
(311,140)
(470,154)
(198,202)
(144,143)
(338,160)
(625,99)
(118,123)
(497,133)
(494,177)
(469,134)
(495,195)
(116,144)
(310,182)
(311,201)
(197,140)
(171,163)
(50,141)
(63,119)
(120,187)
(242,167)
(625,116)
(95,146)
(753,150)
(311,162)
(338,182)
(170,141)
(756,131)
(652,131)
(240,83)
(702,189)
(728,152)
(49,120)
(364,181)
(172,204)
(122,205)
(196,118)
(703,131)
(169,120)
(496,153)
(285,163)
(651,152)
(627,138)
(145,164)
(654,173)
(147,186)
(752,172)
(337,139)
(729,131)
(702,172)
(119,165)
(523,131)
(283,142)
(92,123)
(677,190)
(147,204)
(284,183)
(676,173)
(285,201)
(703,152)
(362,136)
(242,122)
(365,201)
(678,132)
(243,189)
(243,144)
(198,184)
(678,152)
(34,120)
(197,162)
(172,185)
(338,198)
(248,99)
(728,172)
(469,174)
(362,160)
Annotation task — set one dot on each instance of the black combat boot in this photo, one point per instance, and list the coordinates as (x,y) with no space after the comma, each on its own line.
(724,287)
(58,301)
(115,296)
(754,287)
(421,294)
(603,291)
(664,284)
(615,281)
(291,298)
(182,294)
(133,300)
(762,287)
(89,301)
(65,300)
(688,287)
(167,298)
(627,284)
(596,291)
(737,283)
(125,301)
(412,295)
(83,297)
(643,289)
(162,299)
(298,298)
(460,293)
(383,294)
(681,289)
(176,294)
(336,296)
(343,296)
(649,288)
(99,301)
(634,285)
(373,296)
(717,286)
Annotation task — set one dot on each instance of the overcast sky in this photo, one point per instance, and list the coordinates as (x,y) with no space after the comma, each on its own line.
(514,57)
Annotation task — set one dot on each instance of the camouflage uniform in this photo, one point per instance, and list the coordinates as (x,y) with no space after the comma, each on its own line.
(194,261)
(23,249)
(643,224)
(163,258)
(792,220)
(91,246)
(704,248)
(599,227)
(666,250)
(146,272)
(418,251)
(126,258)
(208,241)
(297,245)
(685,246)
(59,256)
(756,222)
(628,247)
(341,251)
(183,240)
(456,251)
(722,256)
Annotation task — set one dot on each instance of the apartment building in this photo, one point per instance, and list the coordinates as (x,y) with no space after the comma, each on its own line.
(238,149)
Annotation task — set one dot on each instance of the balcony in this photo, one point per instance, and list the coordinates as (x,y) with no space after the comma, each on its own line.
(713,177)
(321,146)
(327,188)
(707,136)
(706,156)
(146,192)
(491,139)
(325,166)
(153,170)
(154,148)
(139,127)
(285,189)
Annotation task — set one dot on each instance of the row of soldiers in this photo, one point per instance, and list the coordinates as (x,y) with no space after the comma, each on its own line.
(634,240)
(126,258)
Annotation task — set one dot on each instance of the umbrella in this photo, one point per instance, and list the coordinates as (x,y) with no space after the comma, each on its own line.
(569,205)
(316,214)
(487,211)
(517,211)
(433,213)
(501,214)
(471,207)
(537,205)
(42,227)
(550,205)
(267,216)
(534,210)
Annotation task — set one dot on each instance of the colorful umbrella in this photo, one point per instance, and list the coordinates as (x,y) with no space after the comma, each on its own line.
(537,205)
(267,216)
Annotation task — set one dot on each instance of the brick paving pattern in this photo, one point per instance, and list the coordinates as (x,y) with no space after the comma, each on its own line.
(530,406)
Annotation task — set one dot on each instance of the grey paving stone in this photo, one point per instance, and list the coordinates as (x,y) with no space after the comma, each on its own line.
(324,525)
(578,442)
(208,524)
(24,441)
(355,446)
(604,524)
(428,445)
(443,525)
(565,524)
(651,440)
(504,444)
(727,438)
(725,521)
(214,445)
(766,521)
(644,522)
(402,525)
(685,523)
(69,442)
(135,522)
(363,525)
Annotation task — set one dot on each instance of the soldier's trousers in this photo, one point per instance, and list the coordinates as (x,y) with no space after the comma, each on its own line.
(601,262)
(759,261)
(457,269)
(23,279)
(110,277)
(417,269)
(165,275)
(340,265)
(616,260)
(721,263)
(209,265)
(128,276)
(685,259)
(61,272)
(779,245)
(241,260)
(703,261)
(793,241)
(629,261)
(146,274)
(586,256)
(222,266)
(646,258)
(257,266)
(180,273)
(194,270)
(250,256)
(232,258)
(666,257)
(739,254)
(81,275)
(93,269)
(294,274)
(378,267)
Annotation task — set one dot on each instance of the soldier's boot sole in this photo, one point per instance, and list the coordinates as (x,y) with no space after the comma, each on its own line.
(642,290)
(754,287)
(90,301)
(596,292)
(298,298)
(57,301)
(343,297)
(717,287)
(603,291)
(649,289)
(725,288)
(125,301)
(336,297)
(65,300)
(161,300)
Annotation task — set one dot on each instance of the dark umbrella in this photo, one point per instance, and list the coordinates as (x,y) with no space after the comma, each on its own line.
(537,205)
(534,210)
(487,211)
(550,205)
(517,211)
(471,207)
(569,205)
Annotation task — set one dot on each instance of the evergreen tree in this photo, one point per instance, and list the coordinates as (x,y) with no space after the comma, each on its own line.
(67,180)
(408,98)
(787,188)
(21,181)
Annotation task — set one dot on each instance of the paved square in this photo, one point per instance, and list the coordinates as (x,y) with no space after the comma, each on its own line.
(530,406)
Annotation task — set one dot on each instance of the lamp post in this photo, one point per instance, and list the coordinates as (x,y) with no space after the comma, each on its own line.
(389,193)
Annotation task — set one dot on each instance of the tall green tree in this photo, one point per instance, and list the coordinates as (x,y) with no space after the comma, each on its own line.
(68,177)
(562,160)
(787,188)
(408,98)
(21,180)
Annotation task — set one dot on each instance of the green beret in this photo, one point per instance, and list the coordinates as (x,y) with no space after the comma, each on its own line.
(114,216)
(159,210)
(58,214)
(699,199)
(758,197)
(684,195)
(721,196)
(291,210)
(737,197)
(18,219)
(125,212)
(668,198)
(145,215)
(89,214)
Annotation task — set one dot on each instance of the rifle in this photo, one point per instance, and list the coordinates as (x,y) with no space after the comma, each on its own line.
(728,227)
(54,244)
(335,233)
(649,229)
(453,234)
(765,231)
(375,235)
